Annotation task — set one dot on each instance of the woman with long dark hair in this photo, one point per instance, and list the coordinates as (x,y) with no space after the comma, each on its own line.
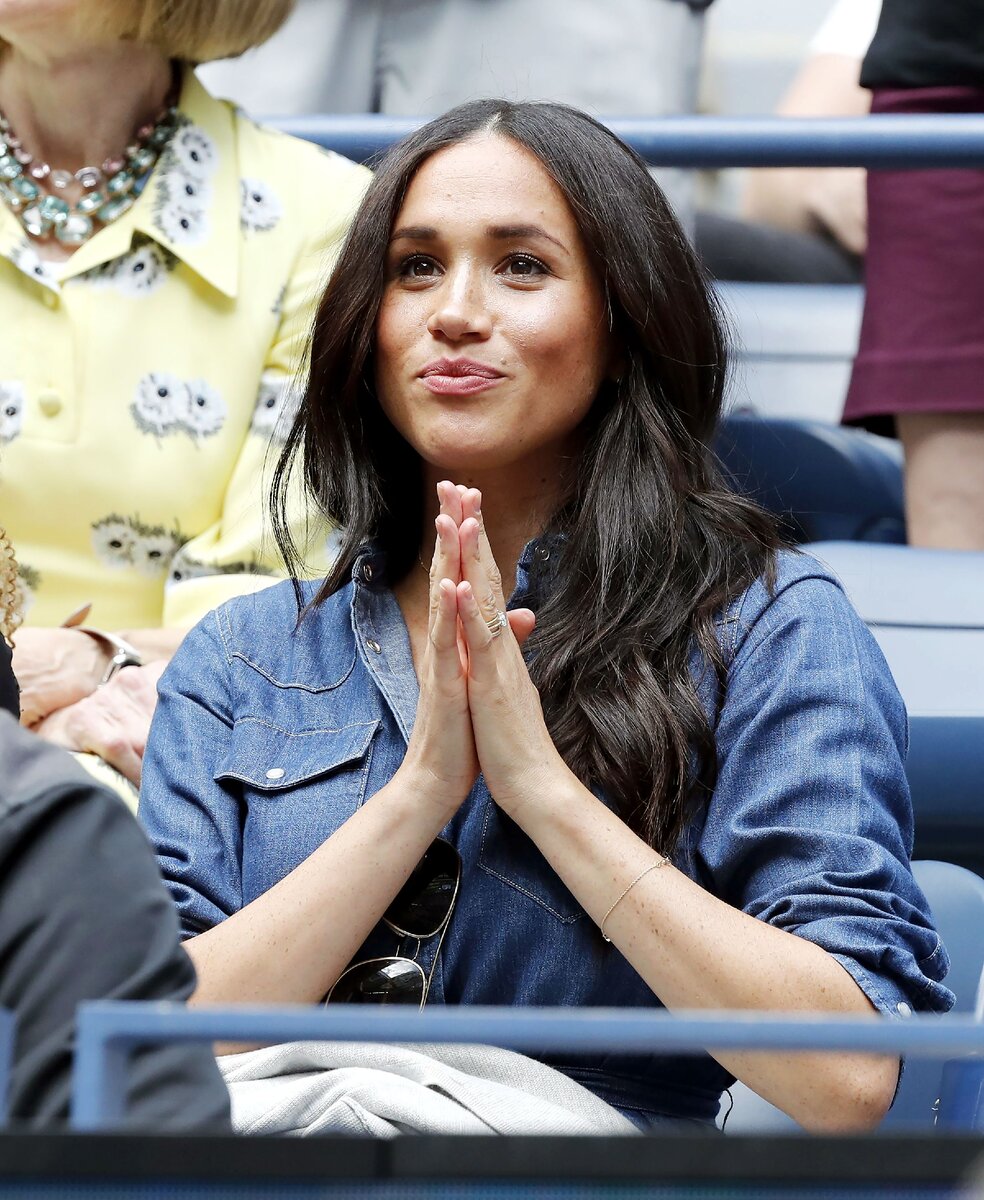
(614,746)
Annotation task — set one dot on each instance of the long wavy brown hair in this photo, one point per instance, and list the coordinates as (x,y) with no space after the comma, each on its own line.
(656,543)
(10,615)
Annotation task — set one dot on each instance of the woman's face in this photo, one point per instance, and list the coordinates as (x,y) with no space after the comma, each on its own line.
(491,339)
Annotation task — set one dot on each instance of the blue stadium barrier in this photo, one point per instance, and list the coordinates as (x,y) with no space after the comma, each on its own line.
(6,1059)
(873,141)
(109,1031)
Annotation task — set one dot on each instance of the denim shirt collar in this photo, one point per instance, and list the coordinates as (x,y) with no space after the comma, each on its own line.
(535,570)
(380,631)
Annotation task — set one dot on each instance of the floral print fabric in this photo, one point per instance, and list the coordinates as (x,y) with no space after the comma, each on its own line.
(143,382)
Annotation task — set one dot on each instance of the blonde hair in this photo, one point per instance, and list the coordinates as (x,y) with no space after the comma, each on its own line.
(10,592)
(190,30)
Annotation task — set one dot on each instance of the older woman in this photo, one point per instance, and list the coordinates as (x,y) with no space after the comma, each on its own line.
(159,255)
(686,788)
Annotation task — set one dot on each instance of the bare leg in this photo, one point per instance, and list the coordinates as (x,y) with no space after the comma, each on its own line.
(944,479)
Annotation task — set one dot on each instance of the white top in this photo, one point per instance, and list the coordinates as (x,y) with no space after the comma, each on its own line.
(848,29)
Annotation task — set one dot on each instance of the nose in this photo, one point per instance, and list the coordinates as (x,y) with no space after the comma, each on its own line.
(461,311)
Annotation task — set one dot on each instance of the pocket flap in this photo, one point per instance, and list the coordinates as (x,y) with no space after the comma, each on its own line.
(271,759)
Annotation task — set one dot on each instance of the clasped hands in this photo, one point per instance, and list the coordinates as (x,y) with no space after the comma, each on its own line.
(478,709)
(58,670)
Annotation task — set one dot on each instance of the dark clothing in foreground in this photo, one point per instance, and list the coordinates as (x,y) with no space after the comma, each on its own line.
(9,692)
(84,916)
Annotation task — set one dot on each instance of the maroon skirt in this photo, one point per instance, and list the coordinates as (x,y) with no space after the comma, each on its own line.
(922,335)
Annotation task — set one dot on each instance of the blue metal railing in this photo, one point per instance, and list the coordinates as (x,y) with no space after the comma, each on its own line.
(882,140)
(108,1033)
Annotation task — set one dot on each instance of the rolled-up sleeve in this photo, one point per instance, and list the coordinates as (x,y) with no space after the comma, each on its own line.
(193,821)
(810,824)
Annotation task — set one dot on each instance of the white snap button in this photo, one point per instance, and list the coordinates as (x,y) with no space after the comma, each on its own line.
(903,1009)
(374,646)
(276,773)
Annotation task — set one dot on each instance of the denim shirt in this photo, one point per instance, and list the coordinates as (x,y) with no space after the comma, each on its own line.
(268,737)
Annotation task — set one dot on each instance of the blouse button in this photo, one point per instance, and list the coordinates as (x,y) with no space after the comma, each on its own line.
(367,572)
(542,553)
(276,773)
(903,1009)
(50,403)
(374,646)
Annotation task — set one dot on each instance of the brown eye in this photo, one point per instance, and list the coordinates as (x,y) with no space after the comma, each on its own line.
(418,266)
(525,266)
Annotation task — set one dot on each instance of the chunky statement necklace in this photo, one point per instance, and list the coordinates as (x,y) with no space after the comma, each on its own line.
(30,187)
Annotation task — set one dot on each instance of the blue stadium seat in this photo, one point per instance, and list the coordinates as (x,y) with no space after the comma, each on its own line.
(792,347)
(826,482)
(926,608)
(956,898)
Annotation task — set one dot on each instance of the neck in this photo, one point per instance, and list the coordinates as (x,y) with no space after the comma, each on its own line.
(73,107)
(516,505)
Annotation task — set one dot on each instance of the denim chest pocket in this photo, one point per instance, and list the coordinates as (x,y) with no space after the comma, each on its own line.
(272,760)
(510,856)
(295,789)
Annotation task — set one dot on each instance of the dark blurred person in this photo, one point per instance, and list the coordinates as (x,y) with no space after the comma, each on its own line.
(83,916)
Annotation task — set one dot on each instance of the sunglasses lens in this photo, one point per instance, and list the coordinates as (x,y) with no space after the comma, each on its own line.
(380,981)
(424,902)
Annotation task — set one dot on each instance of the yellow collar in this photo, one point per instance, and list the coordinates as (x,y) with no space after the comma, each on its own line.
(190,204)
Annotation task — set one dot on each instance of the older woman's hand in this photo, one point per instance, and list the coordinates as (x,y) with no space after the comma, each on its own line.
(55,668)
(113,722)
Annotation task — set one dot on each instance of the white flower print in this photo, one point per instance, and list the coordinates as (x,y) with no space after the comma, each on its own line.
(184,567)
(25,587)
(181,224)
(260,208)
(27,259)
(185,191)
(153,549)
(113,539)
(205,410)
(276,407)
(11,409)
(194,152)
(160,403)
(142,271)
(333,544)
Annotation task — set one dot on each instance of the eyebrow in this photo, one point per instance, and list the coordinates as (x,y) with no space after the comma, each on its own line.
(427,233)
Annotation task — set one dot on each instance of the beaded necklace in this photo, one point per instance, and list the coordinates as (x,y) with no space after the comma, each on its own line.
(108,191)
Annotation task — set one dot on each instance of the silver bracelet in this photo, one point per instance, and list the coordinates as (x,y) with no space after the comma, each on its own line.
(642,875)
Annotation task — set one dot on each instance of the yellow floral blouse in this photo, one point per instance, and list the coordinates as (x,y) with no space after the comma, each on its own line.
(143,382)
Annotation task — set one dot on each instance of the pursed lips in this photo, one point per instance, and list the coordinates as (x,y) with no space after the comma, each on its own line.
(459,376)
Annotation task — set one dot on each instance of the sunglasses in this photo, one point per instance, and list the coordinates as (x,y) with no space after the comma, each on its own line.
(421,909)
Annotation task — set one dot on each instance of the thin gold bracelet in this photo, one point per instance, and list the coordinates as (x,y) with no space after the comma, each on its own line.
(642,875)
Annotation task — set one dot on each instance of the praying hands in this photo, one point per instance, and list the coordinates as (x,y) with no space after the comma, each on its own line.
(478,708)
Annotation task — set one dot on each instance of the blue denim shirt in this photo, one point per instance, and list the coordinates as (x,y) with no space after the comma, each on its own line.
(267,738)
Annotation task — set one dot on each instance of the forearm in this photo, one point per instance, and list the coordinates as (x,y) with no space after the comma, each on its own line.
(291,944)
(697,952)
(780,196)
